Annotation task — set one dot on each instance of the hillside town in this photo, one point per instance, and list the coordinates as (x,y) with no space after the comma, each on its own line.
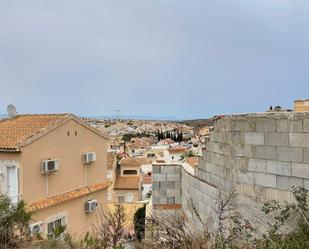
(154,124)
(66,168)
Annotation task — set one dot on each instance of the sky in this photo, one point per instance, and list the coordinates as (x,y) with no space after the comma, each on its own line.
(160,58)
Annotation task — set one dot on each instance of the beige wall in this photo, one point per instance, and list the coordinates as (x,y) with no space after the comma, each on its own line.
(301,106)
(68,150)
(78,222)
(72,174)
(136,194)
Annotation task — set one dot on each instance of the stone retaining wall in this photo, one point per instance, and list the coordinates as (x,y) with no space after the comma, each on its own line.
(259,155)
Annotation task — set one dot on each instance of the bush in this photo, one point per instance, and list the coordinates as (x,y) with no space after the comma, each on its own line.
(139,222)
(14,222)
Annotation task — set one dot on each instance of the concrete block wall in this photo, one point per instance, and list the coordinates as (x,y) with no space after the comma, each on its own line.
(166,184)
(260,155)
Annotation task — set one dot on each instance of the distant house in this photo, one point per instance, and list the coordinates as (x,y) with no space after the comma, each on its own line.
(57,165)
(174,154)
(301,105)
(128,184)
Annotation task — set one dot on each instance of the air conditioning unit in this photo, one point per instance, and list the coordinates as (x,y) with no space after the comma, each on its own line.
(89,157)
(49,166)
(91,206)
(36,228)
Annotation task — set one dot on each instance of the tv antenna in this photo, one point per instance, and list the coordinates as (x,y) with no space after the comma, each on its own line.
(11,109)
(117,111)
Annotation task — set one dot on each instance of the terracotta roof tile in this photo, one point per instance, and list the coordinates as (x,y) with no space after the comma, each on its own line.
(193,161)
(167,206)
(177,150)
(127,182)
(147,179)
(37,205)
(14,131)
(134,161)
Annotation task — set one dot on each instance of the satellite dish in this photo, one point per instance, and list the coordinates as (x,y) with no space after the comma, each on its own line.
(11,109)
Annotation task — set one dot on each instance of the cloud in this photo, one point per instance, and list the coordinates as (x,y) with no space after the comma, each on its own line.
(181,58)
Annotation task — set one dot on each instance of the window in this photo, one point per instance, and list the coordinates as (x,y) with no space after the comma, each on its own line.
(129,172)
(129,197)
(109,174)
(109,196)
(54,228)
(151,155)
(121,199)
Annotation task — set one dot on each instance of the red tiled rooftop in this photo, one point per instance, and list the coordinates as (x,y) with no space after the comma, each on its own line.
(37,205)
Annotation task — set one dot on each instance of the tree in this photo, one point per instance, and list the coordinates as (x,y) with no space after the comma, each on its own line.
(13,218)
(110,231)
(190,153)
(139,222)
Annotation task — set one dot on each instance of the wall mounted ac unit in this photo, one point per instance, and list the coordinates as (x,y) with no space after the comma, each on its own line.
(91,206)
(89,157)
(36,228)
(49,166)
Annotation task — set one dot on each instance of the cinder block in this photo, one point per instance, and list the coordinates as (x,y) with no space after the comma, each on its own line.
(266,152)
(217,158)
(257,165)
(158,177)
(306,155)
(177,169)
(173,177)
(285,125)
(286,183)
(299,140)
(234,137)
(166,184)
(279,168)
(241,163)
(245,177)
(246,150)
(215,147)
(277,138)
(265,180)
(284,196)
(290,154)
(155,185)
(156,169)
(248,190)
(244,125)
(167,169)
(215,169)
(266,124)
(260,193)
(240,188)
(163,200)
(306,184)
(300,170)
(172,192)
(217,136)
(271,194)
(255,138)
(306,125)
(155,199)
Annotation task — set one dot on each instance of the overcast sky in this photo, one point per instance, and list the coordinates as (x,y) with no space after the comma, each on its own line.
(185,59)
